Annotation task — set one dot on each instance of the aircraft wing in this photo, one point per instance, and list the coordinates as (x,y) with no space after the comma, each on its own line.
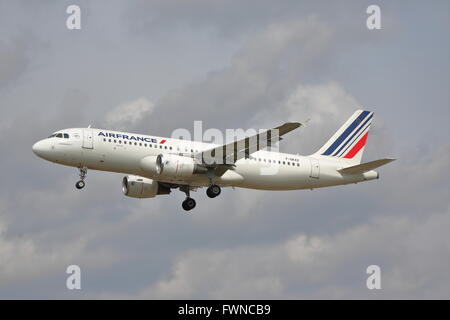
(226,155)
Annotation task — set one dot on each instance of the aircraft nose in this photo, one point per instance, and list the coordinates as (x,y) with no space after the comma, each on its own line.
(39,148)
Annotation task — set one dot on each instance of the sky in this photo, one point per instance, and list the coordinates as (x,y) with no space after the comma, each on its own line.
(155,66)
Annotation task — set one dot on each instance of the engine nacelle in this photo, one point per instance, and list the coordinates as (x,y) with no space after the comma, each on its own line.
(140,187)
(177,166)
(148,164)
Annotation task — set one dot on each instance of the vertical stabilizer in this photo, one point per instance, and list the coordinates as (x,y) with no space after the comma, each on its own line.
(349,141)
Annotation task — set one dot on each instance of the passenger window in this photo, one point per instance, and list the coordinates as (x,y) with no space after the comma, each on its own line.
(165,147)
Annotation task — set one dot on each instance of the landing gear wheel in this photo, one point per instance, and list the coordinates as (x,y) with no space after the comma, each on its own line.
(83,172)
(188,204)
(213,191)
(80,184)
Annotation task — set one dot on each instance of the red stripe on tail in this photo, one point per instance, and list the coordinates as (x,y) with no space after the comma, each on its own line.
(357,147)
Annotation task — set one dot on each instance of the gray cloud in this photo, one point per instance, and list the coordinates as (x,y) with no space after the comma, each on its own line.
(260,76)
(13,61)
(331,266)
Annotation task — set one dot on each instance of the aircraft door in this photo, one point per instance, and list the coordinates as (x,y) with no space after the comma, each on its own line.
(315,168)
(88,138)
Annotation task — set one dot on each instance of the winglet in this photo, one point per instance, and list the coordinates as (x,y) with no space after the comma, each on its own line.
(287,127)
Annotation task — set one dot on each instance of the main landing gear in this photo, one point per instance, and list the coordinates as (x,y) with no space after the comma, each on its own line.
(213,191)
(80,184)
(188,203)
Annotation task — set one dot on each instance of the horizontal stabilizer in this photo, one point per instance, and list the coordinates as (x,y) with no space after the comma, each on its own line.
(364,167)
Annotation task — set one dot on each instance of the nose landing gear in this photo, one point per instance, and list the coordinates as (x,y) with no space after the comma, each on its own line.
(80,184)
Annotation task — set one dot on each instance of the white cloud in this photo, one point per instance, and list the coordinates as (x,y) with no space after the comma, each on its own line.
(317,266)
(325,101)
(327,106)
(128,114)
(266,69)
(23,259)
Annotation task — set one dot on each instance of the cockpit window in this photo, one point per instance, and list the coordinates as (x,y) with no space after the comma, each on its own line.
(60,135)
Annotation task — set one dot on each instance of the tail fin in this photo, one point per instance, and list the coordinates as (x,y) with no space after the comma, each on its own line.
(349,141)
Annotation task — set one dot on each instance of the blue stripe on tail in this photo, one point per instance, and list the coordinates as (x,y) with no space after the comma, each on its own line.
(353,135)
(345,134)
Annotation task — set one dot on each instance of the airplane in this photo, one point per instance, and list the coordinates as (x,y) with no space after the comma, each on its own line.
(155,165)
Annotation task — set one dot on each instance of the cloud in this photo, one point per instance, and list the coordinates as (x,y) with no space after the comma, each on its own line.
(319,266)
(24,258)
(128,114)
(260,76)
(14,60)
(327,106)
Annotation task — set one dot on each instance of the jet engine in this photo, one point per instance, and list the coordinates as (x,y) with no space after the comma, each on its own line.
(140,187)
(177,166)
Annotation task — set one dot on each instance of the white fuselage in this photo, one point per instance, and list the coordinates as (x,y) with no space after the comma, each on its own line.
(122,152)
